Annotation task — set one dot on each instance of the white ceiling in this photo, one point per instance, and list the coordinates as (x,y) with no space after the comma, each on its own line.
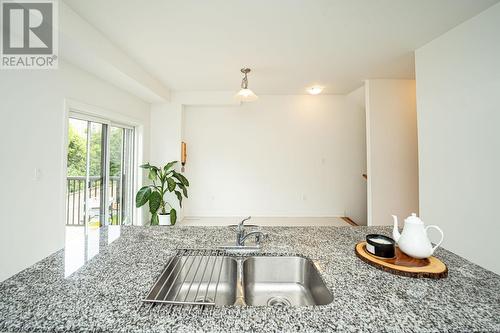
(289,44)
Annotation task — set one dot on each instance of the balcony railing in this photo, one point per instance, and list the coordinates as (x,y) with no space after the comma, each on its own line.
(75,203)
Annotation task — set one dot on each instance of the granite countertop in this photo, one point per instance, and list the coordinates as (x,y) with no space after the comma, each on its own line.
(104,294)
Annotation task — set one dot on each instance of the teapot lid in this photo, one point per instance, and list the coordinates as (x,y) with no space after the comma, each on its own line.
(413,218)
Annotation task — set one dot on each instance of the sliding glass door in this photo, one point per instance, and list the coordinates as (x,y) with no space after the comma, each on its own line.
(99,172)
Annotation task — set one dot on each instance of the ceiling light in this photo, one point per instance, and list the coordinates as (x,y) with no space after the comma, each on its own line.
(315,90)
(245,94)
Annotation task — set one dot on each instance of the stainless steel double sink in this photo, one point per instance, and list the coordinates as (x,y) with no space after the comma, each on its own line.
(245,281)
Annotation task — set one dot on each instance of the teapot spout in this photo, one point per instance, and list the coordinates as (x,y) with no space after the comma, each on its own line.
(395,231)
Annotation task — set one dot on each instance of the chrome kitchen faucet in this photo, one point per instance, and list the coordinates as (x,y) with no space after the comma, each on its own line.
(241,236)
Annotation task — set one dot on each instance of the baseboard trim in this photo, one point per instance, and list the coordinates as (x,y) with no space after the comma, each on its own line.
(348,220)
(266,221)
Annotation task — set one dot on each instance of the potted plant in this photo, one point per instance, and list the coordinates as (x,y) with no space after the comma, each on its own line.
(164,179)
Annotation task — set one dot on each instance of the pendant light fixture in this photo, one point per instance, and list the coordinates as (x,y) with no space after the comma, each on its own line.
(245,94)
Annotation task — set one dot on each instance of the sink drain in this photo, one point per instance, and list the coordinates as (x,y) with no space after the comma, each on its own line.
(278,301)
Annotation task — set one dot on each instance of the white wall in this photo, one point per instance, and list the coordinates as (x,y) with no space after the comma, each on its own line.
(166,133)
(458,98)
(294,155)
(392,161)
(166,138)
(32,136)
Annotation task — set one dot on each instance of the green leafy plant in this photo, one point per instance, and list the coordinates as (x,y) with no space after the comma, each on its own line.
(164,179)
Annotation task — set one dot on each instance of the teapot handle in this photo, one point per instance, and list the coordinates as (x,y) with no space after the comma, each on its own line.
(442,235)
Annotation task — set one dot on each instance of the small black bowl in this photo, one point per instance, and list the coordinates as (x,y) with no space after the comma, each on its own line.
(384,247)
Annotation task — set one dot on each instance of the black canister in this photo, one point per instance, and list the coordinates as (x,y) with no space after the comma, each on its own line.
(380,245)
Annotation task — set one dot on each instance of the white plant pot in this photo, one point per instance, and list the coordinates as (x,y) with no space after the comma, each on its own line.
(164,219)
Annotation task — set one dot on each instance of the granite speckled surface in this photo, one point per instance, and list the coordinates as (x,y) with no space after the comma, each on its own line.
(104,294)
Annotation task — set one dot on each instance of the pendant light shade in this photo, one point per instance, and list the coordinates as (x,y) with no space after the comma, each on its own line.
(245,94)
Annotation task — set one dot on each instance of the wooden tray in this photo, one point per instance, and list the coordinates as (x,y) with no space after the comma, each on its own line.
(404,265)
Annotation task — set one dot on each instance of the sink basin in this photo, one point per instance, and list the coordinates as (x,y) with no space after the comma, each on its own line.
(192,279)
(283,281)
(217,279)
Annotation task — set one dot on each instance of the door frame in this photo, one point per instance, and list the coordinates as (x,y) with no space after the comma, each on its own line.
(72,109)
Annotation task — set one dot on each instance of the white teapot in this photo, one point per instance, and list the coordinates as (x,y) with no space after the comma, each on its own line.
(414,240)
